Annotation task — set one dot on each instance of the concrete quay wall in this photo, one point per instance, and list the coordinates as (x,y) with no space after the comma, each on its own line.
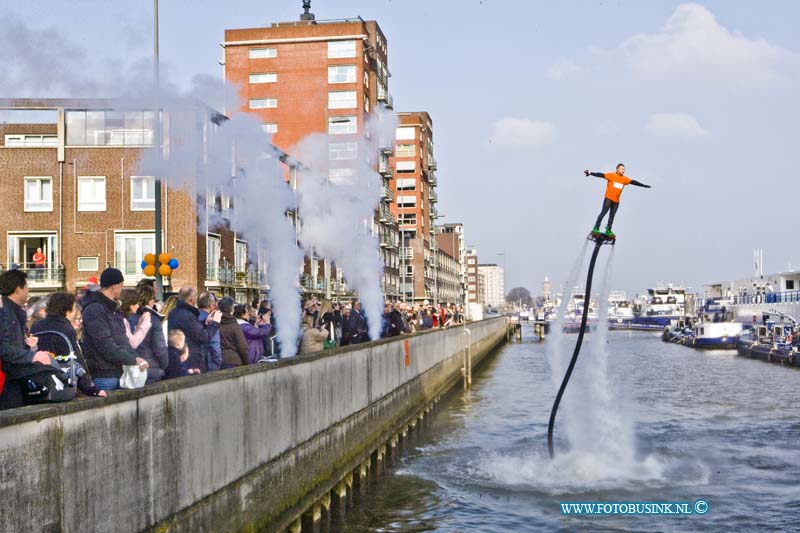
(253,448)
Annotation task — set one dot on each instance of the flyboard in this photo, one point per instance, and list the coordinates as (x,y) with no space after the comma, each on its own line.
(599,240)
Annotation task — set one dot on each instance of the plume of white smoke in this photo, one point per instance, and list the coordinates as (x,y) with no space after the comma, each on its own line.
(204,152)
(337,200)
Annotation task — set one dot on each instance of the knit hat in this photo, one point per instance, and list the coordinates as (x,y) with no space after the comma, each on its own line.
(111,276)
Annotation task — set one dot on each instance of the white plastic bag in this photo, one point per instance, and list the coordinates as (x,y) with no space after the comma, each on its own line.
(133,377)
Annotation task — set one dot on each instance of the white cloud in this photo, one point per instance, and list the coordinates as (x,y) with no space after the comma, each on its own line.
(691,47)
(677,125)
(521,133)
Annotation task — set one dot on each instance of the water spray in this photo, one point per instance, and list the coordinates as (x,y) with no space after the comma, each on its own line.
(599,239)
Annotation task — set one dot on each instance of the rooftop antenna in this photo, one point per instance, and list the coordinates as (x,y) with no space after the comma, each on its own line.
(307,15)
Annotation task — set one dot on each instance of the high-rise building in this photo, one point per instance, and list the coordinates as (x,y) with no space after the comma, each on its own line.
(415,205)
(474,294)
(450,239)
(494,285)
(325,77)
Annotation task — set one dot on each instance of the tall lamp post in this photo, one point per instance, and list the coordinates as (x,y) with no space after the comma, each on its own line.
(157,145)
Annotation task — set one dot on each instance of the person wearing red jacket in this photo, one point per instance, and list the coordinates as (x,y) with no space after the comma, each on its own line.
(616,182)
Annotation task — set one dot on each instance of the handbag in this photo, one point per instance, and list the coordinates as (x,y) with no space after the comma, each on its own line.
(132,377)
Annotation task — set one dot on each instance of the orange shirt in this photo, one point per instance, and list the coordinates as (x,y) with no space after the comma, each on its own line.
(615,185)
(38,258)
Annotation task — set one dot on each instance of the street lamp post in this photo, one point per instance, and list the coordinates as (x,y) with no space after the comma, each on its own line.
(157,145)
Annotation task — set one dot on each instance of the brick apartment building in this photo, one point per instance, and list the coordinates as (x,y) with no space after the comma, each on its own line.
(308,76)
(415,205)
(69,185)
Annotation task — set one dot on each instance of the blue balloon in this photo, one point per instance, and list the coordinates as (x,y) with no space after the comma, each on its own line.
(144,264)
(173,263)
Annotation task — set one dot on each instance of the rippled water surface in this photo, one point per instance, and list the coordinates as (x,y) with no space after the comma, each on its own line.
(641,421)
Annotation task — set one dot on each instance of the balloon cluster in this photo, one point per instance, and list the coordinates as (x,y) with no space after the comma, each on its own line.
(166,262)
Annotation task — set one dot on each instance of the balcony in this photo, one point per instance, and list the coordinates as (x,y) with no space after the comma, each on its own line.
(222,275)
(385,97)
(387,193)
(389,240)
(385,215)
(432,196)
(49,278)
(384,168)
(432,164)
(432,179)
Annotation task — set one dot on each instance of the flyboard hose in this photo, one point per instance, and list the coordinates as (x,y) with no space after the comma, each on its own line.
(592,261)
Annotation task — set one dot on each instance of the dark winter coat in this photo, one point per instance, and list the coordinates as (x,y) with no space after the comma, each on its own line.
(357,326)
(214,350)
(198,334)
(105,341)
(57,345)
(14,353)
(397,323)
(153,347)
(232,341)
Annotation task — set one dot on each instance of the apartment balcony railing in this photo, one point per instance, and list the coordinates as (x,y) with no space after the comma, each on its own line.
(389,240)
(385,97)
(432,179)
(384,168)
(432,196)
(432,164)
(221,274)
(385,215)
(387,193)
(46,277)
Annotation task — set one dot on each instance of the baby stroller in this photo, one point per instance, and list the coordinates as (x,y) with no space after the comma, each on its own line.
(57,382)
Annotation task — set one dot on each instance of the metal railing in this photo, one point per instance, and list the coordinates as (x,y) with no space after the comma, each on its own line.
(385,215)
(432,163)
(46,275)
(387,193)
(748,299)
(432,195)
(432,179)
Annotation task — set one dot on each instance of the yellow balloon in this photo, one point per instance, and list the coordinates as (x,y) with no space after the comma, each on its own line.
(150,259)
(150,270)
(164,259)
(164,270)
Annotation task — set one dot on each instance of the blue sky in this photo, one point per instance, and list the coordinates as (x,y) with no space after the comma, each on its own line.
(698,100)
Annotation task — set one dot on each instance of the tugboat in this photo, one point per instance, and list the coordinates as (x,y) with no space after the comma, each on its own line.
(771,341)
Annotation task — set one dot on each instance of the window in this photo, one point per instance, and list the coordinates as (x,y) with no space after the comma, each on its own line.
(342,74)
(406,184)
(240,256)
(342,151)
(407,219)
(130,249)
(88,264)
(366,79)
(406,134)
(270,127)
(789,284)
(91,193)
(143,193)
(213,253)
(110,128)
(406,150)
(406,201)
(406,166)
(31,141)
(342,125)
(39,193)
(263,53)
(268,77)
(338,49)
(263,103)
(410,270)
(341,99)
(366,103)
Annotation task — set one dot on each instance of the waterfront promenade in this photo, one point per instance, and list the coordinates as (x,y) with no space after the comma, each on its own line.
(255,448)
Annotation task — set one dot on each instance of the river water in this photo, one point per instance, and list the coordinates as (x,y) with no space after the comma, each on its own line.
(641,421)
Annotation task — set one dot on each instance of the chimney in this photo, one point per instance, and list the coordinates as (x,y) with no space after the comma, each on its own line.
(307,15)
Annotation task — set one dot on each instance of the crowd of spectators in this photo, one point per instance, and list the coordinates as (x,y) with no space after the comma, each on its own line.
(109,328)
